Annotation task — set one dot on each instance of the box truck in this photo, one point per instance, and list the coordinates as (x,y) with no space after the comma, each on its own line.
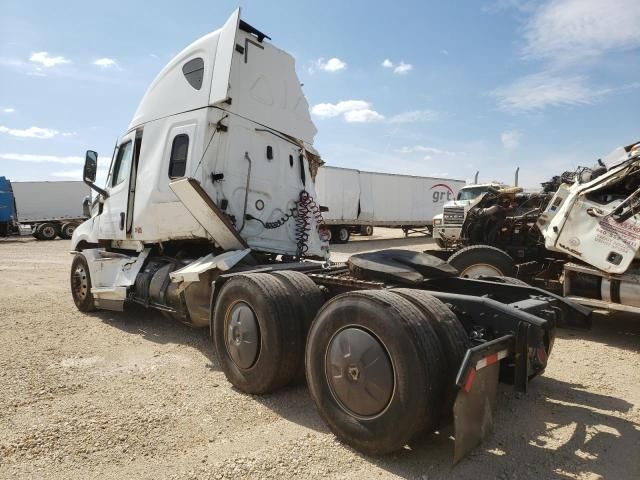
(45,209)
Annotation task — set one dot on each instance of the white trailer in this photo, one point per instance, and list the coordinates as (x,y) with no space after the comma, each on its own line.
(51,209)
(358,200)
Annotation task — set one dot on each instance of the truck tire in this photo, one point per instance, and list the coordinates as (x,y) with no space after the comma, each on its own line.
(366,230)
(66,231)
(452,336)
(373,370)
(482,261)
(340,234)
(47,231)
(256,333)
(80,281)
(307,299)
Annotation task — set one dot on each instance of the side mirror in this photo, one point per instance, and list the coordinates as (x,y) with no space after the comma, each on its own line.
(90,171)
(90,166)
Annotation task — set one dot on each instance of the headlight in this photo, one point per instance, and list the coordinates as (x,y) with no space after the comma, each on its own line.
(436,222)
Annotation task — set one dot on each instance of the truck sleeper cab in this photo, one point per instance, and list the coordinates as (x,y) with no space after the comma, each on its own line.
(391,344)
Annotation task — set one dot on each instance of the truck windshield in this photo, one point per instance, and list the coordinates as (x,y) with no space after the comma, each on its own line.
(471,193)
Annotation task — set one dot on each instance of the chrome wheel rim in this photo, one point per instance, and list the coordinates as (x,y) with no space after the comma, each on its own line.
(80,282)
(481,270)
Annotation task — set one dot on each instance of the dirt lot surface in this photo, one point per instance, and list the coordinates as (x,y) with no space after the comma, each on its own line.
(133,395)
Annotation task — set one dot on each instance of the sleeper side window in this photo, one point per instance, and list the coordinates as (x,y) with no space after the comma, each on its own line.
(122,165)
(178,159)
(193,71)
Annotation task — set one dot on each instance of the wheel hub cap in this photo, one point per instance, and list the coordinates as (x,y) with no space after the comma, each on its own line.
(243,335)
(359,372)
(80,282)
(481,270)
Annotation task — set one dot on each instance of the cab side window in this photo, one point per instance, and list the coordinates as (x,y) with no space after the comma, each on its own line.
(178,159)
(122,165)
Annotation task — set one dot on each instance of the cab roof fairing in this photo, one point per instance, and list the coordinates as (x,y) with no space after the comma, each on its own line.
(260,85)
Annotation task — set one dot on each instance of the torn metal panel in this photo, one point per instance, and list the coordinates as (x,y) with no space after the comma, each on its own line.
(223,262)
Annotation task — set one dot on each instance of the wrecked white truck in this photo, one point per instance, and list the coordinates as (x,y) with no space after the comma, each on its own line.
(209,216)
(579,236)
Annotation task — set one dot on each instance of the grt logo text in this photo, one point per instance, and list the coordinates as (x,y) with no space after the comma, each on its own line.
(443,194)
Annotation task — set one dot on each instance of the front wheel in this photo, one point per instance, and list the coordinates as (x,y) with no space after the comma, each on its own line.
(482,261)
(81,284)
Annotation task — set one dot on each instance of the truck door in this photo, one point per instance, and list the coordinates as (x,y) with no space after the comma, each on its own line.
(113,219)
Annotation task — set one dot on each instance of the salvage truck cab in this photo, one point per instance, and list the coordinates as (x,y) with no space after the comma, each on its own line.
(209,215)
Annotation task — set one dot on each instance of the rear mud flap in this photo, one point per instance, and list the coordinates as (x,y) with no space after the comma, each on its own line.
(474,409)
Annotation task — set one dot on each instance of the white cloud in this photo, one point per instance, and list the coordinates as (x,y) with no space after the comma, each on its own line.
(510,140)
(428,150)
(335,109)
(353,111)
(8,109)
(403,68)
(45,60)
(414,116)
(568,31)
(444,52)
(24,157)
(363,116)
(332,65)
(31,132)
(569,36)
(106,62)
(541,90)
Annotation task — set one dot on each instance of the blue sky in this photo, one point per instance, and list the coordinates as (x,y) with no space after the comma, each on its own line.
(424,88)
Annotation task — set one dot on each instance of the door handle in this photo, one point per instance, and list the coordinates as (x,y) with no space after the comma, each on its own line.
(121,220)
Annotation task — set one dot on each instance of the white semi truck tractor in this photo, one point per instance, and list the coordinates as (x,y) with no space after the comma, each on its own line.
(209,215)
(448,224)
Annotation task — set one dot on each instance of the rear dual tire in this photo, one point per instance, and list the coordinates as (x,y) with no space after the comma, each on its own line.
(260,325)
(374,366)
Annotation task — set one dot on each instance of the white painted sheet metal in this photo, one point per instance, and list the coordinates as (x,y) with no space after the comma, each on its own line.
(207,213)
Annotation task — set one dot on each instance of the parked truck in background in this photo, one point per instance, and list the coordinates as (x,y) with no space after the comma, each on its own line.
(358,201)
(45,210)
(447,224)
(210,216)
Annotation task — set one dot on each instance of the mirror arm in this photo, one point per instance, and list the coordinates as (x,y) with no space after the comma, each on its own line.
(96,188)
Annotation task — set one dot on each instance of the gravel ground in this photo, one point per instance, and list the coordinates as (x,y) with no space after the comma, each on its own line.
(133,395)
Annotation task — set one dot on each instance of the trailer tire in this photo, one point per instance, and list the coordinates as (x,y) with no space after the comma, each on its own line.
(66,232)
(450,332)
(383,329)
(80,281)
(366,230)
(47,231)
(256,334)
(340,234)
(482,260)
(307,299)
